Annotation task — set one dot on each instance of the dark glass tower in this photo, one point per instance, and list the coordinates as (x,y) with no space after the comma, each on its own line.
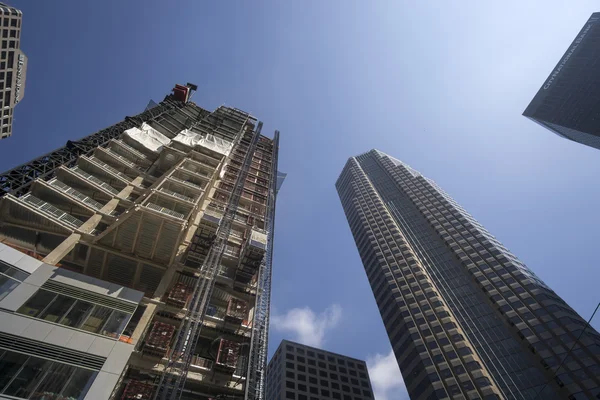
(464,316)
(568,103)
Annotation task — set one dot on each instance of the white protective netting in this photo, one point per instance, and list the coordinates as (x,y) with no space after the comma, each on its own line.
(146,137)
(219,145)
(209,141)
(188,138)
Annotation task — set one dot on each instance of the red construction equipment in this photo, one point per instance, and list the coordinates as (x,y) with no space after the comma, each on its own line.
(179,295)
(136,390)
(237,311)
(157,342)
(228,354)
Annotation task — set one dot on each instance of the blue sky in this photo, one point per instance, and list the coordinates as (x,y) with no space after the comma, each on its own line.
(439,85)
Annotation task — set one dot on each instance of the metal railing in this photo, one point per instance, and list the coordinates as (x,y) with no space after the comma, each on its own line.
(135,153)
(49,209)
(164,210)
(110,169)
(95,180)
(123,159)
(187,183)
(201,362)
(175,194)
(75,194)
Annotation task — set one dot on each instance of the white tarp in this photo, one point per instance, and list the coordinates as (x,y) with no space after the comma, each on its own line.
(219,145)
(188,138)
(147,137)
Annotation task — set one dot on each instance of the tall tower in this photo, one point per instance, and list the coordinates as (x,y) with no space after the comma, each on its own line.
(568,103)
(13,66)
(464,316)
(178,203)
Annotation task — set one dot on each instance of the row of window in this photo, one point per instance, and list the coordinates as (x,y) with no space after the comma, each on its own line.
(78,314)
(321,356)
(324,389)
(323,374)
(324,366)
(27,377)
(334,395)
(13,22)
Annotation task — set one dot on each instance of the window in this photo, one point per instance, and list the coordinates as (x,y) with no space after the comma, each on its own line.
(74,313)
(483,382)
(10,278)
(36,375)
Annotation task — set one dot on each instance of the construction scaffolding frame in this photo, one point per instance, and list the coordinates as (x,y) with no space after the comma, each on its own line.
(259,342)
(18,180)
(172,380)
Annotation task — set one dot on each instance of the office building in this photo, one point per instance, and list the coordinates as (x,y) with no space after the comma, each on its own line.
(568,103)
(13,66)
(466,319)
(302,372)
(176,203)
(60,330)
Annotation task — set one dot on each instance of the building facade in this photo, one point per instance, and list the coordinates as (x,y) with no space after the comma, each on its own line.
(466,319)
(60,331)
(13,66)
(568,103)
(176,203)
(302,372)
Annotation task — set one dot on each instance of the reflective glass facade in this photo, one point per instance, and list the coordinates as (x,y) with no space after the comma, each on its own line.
(466,318)
(568,103)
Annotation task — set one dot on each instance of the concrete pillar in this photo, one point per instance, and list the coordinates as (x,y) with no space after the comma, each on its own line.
(143,323)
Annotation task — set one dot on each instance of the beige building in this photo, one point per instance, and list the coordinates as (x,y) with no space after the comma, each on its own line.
(13,66)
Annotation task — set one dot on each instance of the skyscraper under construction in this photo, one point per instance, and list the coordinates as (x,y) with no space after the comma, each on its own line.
(466,319)
(176,203)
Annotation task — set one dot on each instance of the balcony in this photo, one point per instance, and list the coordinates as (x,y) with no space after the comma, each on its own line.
(176,195)
(189,184)
(51,211)
(91,178)
(75,195)
(164,210)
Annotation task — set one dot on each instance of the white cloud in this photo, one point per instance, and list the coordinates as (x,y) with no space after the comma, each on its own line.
(386,378)
(307,327)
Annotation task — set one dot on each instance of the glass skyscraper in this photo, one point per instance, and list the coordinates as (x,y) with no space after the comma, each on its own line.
(466,319)
(568,103)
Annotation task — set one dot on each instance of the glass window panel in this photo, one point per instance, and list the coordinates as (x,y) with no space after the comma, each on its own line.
(37,303)
(55,311)
(116,323)
(10,363)
(79,384)
(53,383)
(97,319)
(7,285)
(28,378)
(77,314)
(16,273)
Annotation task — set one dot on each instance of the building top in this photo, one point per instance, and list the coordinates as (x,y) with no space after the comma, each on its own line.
(568,102)
(13,66)
(317,350)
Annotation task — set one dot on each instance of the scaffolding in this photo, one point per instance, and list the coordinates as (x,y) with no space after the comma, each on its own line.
(177,202)
(172,380)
